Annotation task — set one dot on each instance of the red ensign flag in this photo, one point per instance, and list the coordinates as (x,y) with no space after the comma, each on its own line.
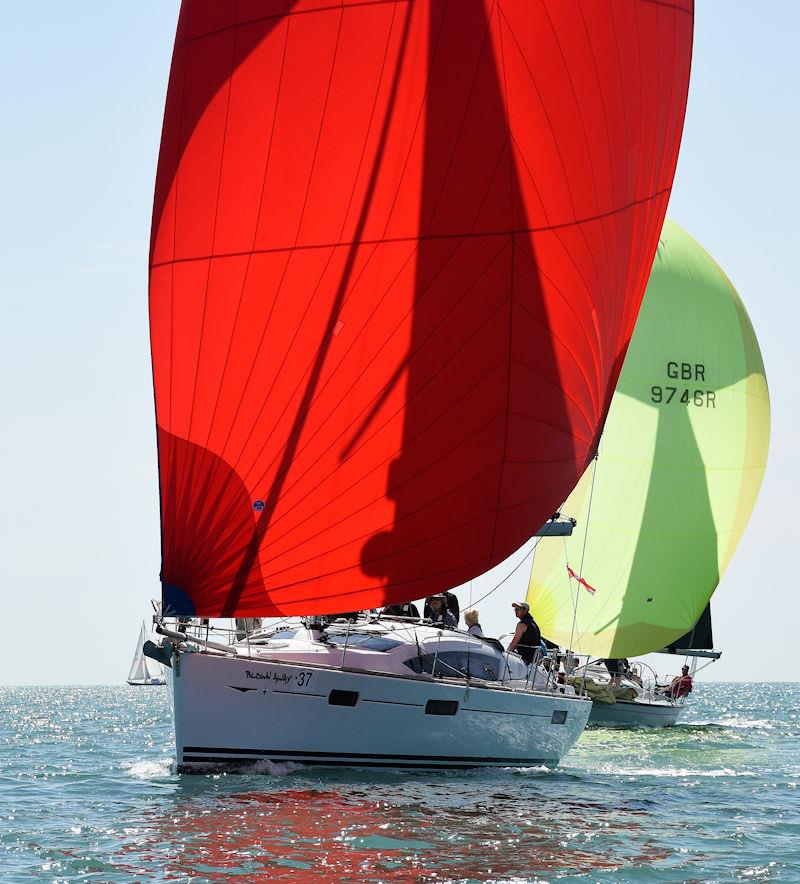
(580,580)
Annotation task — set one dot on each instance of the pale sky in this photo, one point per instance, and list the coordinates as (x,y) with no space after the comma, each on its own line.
(82,102)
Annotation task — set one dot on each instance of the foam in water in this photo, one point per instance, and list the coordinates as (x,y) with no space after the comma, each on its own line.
(274,768)
(737,723)
(150,770)
(674,772)
(262,767)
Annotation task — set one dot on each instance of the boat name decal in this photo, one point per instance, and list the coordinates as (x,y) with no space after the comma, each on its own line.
(301,679)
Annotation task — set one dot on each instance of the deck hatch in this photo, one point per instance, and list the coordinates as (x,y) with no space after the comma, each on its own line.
(441,707)
(342,698)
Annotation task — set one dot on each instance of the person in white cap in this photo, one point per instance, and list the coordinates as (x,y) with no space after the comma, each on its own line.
(527,638)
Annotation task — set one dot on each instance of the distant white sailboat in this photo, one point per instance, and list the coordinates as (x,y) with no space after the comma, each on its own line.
(144,670)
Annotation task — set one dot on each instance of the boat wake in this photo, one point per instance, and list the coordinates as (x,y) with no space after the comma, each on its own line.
(527,771)
(675,772)
(152,769)
(274,768)
(761,724)
(246,768)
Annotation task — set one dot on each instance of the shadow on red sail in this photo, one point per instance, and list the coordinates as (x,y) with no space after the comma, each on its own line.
(222,487)
(481,371)
(250,558)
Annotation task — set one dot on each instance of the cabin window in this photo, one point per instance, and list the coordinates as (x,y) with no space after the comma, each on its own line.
(441,707)
(343,698)
(559,716)
(456,664)
(362,642)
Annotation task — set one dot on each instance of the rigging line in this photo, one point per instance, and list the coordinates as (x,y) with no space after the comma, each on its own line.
(555,137)
(510,573)
(569,581)
(228,512)
(386,526)
(213,473)
(440,193)
(471,229)
(322,273)
(284,273)
(673,117)
(290,13)
(168,526)
(301,542)
(533,562)
(357,426)
(376,243)
(184,501)
(602,104)
(513,191)
(583,550)
(704,666)
(252,551)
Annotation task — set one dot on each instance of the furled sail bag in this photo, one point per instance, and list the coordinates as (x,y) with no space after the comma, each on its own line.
(398,249)
(681,463)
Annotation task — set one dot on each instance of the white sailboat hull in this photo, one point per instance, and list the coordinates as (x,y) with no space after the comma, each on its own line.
(635,713)
(234,711)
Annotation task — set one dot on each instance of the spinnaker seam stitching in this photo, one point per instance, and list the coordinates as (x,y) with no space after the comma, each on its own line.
(423,237)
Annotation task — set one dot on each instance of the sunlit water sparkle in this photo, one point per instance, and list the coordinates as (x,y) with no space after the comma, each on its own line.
(88,792)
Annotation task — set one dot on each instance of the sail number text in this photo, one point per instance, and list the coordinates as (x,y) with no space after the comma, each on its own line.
(684,371)
(284,679)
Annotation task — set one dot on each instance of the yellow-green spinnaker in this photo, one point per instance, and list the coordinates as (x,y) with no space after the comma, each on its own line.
(680,465)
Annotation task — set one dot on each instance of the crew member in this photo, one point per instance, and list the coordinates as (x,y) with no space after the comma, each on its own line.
(527,636)
(439,615)
(409,609)
(474,627)
(681,685)
(614,667)
(452,605)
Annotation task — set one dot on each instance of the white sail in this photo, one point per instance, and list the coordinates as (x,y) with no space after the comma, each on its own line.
(144,670)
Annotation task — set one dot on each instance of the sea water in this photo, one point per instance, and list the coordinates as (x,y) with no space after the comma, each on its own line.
(88,792)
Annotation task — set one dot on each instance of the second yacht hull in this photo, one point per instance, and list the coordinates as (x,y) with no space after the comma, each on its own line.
(634,713)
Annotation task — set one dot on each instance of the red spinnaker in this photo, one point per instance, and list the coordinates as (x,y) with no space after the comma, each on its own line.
(398,250)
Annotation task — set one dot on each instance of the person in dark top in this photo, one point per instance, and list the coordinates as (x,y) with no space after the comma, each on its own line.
(527,636)
(439,615)
(408,609)
(349,616)
(614,668)
(452,606)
